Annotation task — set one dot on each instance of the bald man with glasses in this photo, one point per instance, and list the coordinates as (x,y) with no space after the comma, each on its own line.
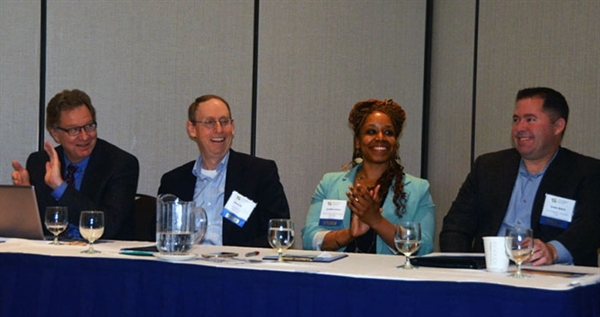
(83,172)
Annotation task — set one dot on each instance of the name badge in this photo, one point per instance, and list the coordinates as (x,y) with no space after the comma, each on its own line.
(558,211)
(332,212)
(238,208)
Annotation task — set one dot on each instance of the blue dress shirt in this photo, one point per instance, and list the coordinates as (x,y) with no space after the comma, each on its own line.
(521,204)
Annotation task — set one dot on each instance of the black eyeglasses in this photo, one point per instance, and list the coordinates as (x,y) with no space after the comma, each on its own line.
(211,123)
(75,131)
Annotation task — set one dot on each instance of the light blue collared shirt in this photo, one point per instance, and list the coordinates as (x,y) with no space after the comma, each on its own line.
(210,194)
(521,204)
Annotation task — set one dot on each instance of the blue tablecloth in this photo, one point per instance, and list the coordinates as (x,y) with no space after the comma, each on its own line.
(37,285)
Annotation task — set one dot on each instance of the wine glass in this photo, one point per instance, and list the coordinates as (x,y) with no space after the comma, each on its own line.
(56,221)
(519,247)
(407,239)
(91,227)
(281,235)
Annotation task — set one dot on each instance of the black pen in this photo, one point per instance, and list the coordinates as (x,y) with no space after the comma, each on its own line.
(253,253)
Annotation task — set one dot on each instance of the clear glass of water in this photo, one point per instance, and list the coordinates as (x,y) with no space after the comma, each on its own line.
(519,247)
(281,235)
(56,221)
(407,239)
(91,228)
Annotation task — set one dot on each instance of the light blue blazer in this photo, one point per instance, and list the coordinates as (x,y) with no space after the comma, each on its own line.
(419,208)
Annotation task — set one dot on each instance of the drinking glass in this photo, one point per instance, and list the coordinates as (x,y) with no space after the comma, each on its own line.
(519,247)
(407,239)
(281,235)
(56,221)
(91,227)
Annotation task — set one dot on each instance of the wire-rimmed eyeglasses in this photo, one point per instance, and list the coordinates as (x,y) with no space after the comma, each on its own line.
(211,123)
(75,131)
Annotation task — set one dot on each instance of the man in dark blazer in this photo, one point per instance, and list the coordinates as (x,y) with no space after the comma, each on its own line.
(105,177)
(211,126)
(500,191)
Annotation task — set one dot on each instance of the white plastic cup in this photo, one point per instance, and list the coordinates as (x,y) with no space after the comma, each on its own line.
(496,259)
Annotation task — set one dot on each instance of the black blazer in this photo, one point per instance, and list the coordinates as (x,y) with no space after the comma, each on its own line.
(109,184)
(255,178)
(483,199)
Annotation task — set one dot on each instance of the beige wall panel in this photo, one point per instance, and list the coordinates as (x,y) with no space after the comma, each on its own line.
(451,102)
(316,60)
(539,43)
(19,83)
(144,62)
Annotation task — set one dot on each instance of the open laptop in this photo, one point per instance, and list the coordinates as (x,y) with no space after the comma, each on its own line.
(19,216)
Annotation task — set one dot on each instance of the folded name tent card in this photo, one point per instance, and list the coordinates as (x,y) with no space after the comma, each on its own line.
(322,257)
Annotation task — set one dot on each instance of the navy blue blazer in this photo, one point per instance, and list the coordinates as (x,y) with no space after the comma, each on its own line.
(254,178)
(109,184)
(483,199)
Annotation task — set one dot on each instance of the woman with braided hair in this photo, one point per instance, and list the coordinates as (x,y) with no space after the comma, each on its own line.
(376,191)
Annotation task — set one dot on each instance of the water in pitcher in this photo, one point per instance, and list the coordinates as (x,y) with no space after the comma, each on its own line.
(175,242)
(180,224)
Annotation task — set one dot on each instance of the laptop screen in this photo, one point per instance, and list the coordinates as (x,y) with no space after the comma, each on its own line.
(19,216)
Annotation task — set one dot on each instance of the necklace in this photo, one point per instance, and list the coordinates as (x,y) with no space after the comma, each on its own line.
(363,180)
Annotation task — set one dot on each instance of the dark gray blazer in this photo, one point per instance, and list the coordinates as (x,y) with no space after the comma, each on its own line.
(255,178)
(109,184)
(483,199)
